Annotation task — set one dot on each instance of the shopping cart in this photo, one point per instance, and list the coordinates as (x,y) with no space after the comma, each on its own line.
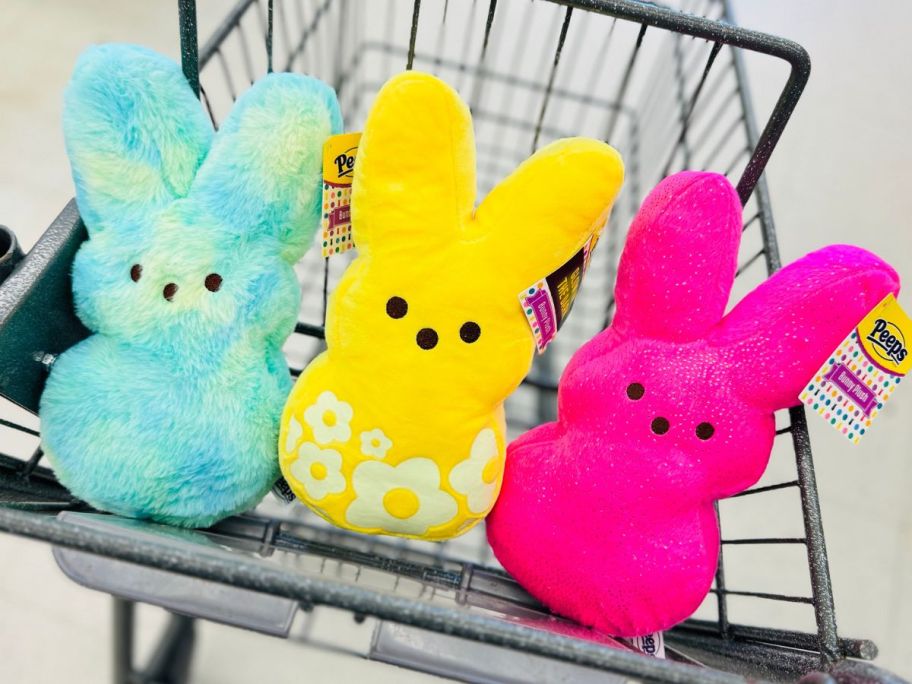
(665,86)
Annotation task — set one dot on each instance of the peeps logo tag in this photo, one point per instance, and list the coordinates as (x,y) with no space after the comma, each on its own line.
(339,155)
(547,303)
(859,377)
(887,342)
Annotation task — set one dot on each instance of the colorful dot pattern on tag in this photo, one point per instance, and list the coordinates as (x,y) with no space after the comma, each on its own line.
(538,307)
(845,411)
(337,233)
(540,301)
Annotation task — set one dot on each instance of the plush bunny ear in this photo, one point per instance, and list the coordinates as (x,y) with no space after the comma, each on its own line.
(783,331)
(135,134)
(679,262)
(415,175)
(263,174)
(547,207)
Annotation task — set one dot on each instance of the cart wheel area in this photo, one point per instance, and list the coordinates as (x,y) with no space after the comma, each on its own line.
(667,87)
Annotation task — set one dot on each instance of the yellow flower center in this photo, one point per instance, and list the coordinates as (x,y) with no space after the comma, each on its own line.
(375,443)
(329,418)
(318,471)
(491,470)
(401,502)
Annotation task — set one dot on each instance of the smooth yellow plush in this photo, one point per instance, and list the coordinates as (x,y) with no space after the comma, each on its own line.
(398,427)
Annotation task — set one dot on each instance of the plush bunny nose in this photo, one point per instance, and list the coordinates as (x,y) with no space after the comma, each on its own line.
(426,338)
(168,292)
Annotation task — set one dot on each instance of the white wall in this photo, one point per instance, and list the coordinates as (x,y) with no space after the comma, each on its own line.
(841,173)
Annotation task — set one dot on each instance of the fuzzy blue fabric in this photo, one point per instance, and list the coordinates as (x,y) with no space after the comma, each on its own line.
(170,411)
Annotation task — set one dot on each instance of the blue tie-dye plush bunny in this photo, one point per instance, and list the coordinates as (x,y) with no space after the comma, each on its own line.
(170,411)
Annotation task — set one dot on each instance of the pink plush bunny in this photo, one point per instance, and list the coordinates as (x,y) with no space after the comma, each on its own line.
(607,515)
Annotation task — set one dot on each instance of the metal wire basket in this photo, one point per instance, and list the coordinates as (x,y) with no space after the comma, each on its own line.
(667,87)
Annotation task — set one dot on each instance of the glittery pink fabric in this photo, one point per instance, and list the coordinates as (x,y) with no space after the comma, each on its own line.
(607,515)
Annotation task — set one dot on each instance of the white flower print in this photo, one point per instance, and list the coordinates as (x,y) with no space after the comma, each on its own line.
(293,435)
(318,470)
(479,475)
(403,499)
(375,443)
(329,419)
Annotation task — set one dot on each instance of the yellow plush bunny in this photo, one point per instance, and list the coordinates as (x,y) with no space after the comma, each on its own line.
(398,427)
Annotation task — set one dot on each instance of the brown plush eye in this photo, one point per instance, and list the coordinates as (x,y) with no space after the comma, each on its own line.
(660,425)
(396,307)
(135,272)
(469,332)
(213,282)
(705,430)
(635,391)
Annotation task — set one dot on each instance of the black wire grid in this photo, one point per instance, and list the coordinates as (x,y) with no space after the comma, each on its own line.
(665,86)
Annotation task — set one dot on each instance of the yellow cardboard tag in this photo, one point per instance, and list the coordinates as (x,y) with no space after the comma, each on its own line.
(852,386)
(339,154)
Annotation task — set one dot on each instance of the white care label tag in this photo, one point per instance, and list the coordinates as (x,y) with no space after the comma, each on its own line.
(547,303)
(853,385)
(282,491)
(652,644)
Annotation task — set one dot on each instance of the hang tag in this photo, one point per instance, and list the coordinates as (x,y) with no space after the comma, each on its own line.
(651,644)
(853,385)
(547,303)
(339,154)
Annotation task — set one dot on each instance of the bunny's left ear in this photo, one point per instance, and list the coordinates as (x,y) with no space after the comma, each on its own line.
(414,180)
(135,134)
(783,331)
(679,261)
(263,175)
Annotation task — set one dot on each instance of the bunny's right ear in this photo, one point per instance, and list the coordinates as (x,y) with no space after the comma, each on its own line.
(679,261)
(262,178)
(135,134)
(782,332)
(415,175)
(550,205)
